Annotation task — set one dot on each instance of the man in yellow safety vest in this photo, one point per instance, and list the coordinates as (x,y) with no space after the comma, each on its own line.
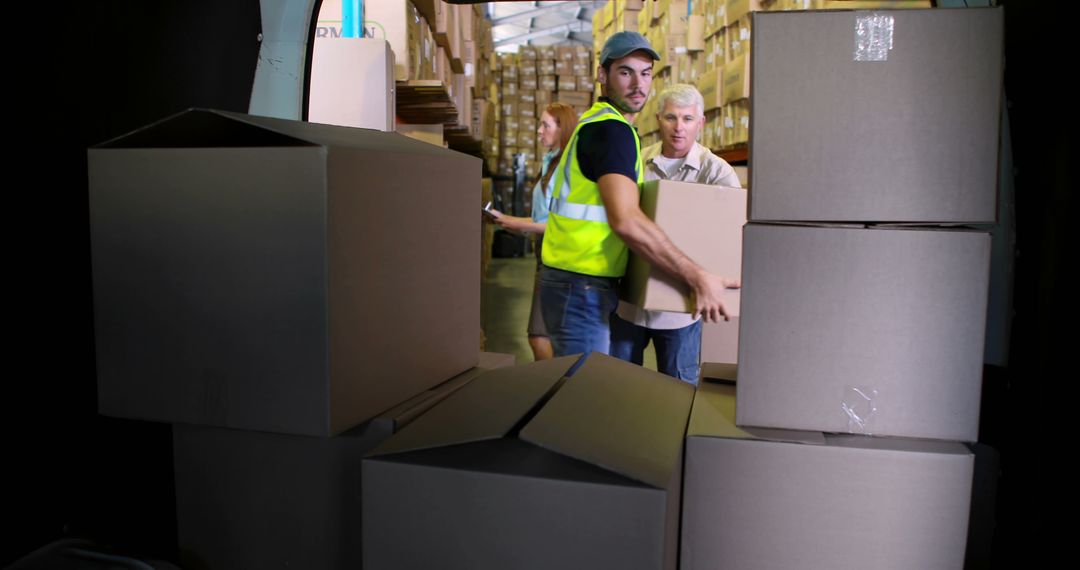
(595,213)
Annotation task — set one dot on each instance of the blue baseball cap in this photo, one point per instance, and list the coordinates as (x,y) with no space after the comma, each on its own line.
(622,44)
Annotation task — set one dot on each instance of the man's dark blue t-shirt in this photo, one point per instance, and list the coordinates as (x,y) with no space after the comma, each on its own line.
(606,147)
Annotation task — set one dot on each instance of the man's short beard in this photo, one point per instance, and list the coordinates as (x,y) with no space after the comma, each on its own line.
(622,104)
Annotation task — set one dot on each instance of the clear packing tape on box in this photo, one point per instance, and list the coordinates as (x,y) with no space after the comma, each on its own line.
(859,405)
(873,36)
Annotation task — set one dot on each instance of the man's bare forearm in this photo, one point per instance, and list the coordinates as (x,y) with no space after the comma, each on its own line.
(646,239)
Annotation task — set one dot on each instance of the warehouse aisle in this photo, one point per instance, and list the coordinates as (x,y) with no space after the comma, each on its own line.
(505,299)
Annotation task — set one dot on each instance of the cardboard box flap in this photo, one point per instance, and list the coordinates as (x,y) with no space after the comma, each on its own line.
(414,407)
(618,416)
(203,128)
(713,415)
(198,128)
(511,456)
(487,408)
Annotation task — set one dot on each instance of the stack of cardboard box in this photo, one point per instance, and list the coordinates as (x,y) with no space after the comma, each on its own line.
(253,286)
(526,83)
(724,74)
(864,298)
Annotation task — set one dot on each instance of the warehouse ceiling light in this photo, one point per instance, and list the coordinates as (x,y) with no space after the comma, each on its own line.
(541,23)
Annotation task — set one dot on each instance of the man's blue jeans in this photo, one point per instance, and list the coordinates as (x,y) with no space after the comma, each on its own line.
(577,309)
(678,351)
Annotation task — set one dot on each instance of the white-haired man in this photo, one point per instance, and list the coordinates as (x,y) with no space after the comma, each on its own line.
(678,156)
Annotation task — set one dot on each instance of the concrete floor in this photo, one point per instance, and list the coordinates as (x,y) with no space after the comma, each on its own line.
(505,301)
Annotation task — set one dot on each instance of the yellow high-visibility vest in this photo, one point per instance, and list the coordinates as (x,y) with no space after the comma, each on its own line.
(577,237)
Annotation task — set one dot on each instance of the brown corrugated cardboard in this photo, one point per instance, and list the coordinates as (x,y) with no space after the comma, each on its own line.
(876,331)
(248,499)
(736,79)
(543,98)
(738,8)
(756,500)
(645,18)
(582,54)
(574,97)
(910,138)
(719,371)
(584,473)
(526,137)
(720,341)
(705,222)
(261,283)
(695,33)
(742,122)
(431,134)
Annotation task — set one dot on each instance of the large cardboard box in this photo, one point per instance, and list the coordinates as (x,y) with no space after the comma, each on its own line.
(251,273)
(736,77)
(865,330)
(519,469)
(582,98)
(352,83)
(711,87)
(901,134)
(249,499)
(703,221)
(775,499)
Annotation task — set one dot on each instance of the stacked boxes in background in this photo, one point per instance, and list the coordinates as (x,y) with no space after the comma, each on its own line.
(864,301)
(526,82)
(251,279)
(439,49)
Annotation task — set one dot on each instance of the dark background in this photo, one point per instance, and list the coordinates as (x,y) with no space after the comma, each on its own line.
(80,73)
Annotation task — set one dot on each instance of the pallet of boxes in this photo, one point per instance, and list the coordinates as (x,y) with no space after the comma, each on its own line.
(252,288)
(525,83)
(865,275)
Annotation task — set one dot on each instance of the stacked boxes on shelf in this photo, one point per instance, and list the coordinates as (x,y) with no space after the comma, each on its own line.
(526,82)
(439,47)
